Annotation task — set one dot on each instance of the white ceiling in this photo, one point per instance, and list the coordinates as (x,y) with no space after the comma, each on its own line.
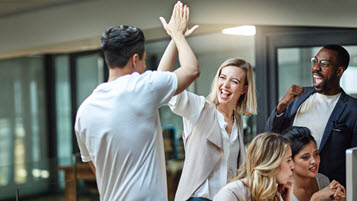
(15,7)
(37,25)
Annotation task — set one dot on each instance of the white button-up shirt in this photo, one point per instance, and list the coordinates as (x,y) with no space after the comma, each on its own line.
(189,106)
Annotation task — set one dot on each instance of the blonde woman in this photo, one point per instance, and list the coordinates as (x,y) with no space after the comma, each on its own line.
(213,127)
(267,170)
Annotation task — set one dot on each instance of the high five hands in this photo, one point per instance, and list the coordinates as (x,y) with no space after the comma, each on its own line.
(179,21)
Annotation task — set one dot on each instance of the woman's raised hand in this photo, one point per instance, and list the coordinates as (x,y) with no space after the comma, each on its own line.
(188,32)
(179,20)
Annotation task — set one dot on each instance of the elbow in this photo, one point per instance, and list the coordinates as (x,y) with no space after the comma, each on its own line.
(197,72)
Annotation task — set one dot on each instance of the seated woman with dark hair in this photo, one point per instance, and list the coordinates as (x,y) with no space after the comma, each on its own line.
(310,185)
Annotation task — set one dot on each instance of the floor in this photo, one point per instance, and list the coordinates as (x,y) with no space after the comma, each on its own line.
(60,197)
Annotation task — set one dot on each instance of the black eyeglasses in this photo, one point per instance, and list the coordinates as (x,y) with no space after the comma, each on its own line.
(323,63)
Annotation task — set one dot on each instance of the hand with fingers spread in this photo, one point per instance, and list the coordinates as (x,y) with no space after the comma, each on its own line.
(293,92)
(178,21)
(177,29)
(188,32)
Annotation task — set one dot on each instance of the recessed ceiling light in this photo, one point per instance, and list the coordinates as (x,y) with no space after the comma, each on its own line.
(245,30)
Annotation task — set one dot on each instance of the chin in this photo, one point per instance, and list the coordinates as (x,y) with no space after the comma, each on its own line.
(318,89)
(220,101)
(313,175)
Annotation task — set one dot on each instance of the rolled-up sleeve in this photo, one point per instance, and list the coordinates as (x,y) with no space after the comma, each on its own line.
(189,106)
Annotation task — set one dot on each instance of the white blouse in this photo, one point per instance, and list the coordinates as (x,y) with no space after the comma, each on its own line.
(189,106)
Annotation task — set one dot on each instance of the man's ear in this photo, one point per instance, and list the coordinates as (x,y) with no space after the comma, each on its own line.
(135,59)
(340,71)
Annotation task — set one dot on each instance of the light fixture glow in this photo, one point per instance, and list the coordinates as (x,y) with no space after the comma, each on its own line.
(245,30)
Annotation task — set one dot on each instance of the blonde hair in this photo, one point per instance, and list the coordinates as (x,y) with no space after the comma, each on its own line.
(261,165)
(247,103)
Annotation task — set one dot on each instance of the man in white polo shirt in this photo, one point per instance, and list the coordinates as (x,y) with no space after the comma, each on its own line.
(325,109)
(118,127)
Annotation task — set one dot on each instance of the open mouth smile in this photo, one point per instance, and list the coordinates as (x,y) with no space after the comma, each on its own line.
(225,94)
(313,169)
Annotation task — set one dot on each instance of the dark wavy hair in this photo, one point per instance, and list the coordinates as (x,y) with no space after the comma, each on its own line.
(343,57)
(120,43)
(299,137)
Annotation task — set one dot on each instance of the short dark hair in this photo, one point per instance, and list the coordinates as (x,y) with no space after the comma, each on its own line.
(343,57)
(120,43)
(299,137)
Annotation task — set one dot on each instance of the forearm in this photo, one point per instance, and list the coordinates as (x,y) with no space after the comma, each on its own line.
(281,108)
(168,58)
(315,197)
(187,58)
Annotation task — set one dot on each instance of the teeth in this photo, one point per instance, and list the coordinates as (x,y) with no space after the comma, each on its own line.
(316,76)
(225,92)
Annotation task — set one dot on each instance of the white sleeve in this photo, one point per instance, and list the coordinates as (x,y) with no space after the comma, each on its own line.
(163,86)
(189,106)
(82,147)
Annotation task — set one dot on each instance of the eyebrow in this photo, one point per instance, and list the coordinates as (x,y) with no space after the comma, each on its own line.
(304,154)
(236,79)
(322,59)
(232,78)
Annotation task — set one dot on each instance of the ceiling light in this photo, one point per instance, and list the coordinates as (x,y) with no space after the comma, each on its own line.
(245,30)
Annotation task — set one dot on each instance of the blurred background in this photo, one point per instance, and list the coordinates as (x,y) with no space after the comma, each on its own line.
(50,61)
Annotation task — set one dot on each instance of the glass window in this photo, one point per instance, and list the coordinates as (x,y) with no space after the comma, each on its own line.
(23,128)
(89,73)
(294,68)
(63,106)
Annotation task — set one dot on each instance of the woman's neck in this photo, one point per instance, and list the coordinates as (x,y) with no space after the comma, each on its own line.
(226,110)
(305,183)
(304,187)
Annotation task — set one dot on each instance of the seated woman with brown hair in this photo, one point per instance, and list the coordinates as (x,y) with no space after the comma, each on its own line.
(309,185)
(265,173)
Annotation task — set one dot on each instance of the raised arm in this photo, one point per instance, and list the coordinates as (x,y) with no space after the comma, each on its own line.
(168,58)
(189,70)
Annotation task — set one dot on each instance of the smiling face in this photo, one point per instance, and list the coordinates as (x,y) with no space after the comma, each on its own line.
(327,78)
(286,168)
(231,85)
(307,161)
